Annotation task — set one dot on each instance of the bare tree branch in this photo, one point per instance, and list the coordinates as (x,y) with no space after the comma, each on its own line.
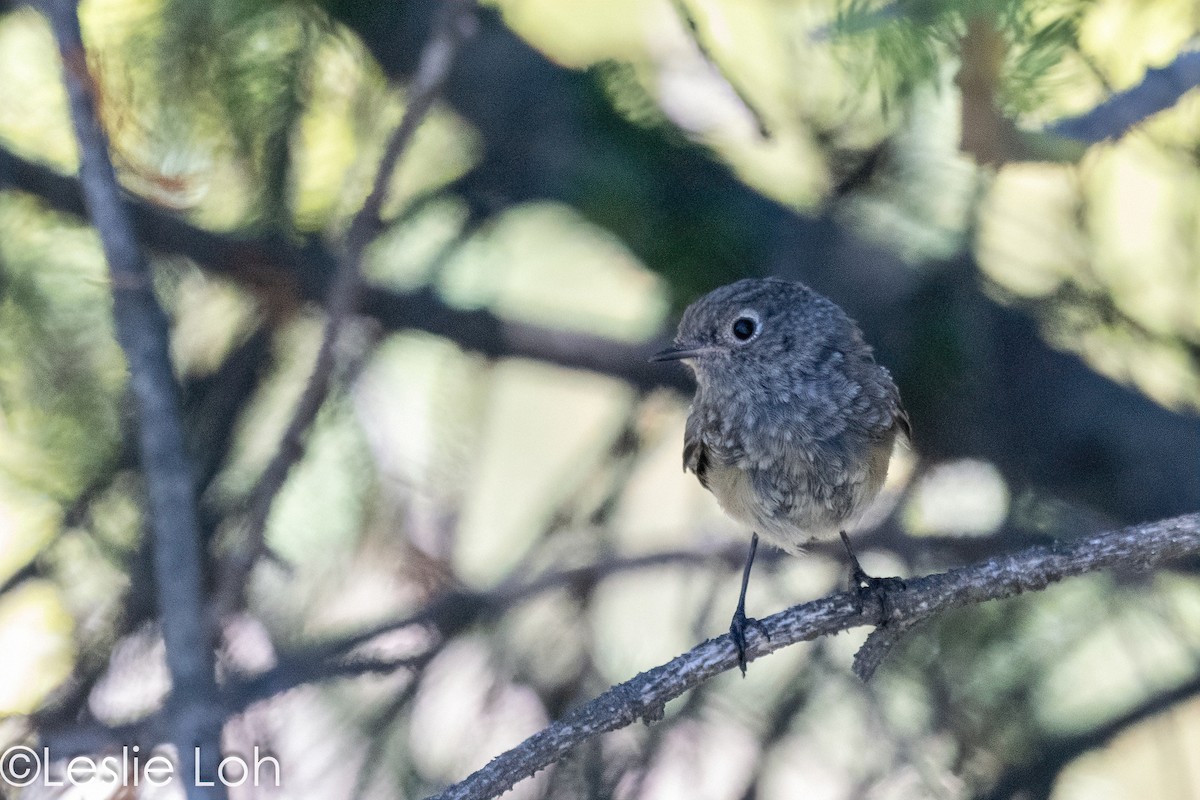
(195,715)
(456,24)
(1139,547)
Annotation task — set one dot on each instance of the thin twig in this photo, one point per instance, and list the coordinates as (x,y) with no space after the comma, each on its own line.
(880,642)
(195,716)
(296,672)
(450,613)
(377,733)
(1138,547)
(693,27)
(457,23)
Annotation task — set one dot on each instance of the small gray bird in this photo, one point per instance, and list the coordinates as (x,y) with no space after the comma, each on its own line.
(793,422)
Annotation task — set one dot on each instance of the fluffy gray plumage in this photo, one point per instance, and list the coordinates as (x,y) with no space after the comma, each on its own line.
(793,422)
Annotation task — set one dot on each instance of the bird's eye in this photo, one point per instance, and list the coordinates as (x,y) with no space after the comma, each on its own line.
(744,328)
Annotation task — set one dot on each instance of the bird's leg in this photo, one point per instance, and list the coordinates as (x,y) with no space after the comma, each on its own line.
(740,622)
(869,585)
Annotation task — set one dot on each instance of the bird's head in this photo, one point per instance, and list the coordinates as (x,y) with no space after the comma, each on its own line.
(758,334)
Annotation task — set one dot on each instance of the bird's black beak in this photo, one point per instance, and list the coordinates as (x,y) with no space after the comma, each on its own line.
(676,353)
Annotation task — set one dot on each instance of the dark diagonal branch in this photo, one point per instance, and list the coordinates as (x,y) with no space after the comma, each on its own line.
(195,716)
(1159,90)
(456,24)
(1139,547)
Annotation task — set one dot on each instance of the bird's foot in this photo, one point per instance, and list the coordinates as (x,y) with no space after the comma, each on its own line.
(878,591)
(737,631)
(872,589)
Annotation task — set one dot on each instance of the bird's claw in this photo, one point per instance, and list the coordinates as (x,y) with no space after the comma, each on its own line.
(737,632)
(877,590)
(871,588)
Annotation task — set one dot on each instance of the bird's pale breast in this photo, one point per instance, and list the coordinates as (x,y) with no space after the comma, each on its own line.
(793,492)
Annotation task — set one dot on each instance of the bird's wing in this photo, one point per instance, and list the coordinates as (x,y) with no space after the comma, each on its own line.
(701,453)
(695,454)
(899,415)
(903,421)
(876,407)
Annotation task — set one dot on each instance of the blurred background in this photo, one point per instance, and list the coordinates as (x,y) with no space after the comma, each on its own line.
(498,459)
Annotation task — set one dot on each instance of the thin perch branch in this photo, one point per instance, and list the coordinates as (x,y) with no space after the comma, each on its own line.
(195,715)
(1139,547)
(456,24)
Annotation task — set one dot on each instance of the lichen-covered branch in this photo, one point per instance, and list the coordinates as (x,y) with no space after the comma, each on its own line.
(1136,548)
